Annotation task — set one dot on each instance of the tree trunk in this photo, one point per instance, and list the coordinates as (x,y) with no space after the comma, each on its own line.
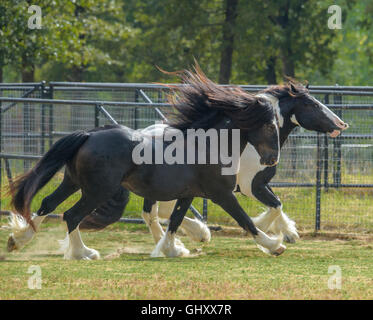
(228,41)
(28,71)
(288,63)
(270,72)
(1,74)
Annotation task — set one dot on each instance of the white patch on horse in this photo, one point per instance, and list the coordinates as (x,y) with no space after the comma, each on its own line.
(270,245)
(249,167)
(196,230)
(275,104)
(167,246)
(76,250)
(294,120)
(333,117)
(151,220)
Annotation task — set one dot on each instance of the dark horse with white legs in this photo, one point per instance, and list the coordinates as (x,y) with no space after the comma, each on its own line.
(295,106)
(101,163)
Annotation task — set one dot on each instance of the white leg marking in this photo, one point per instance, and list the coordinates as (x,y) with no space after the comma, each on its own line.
(76,250)
(151,220)
(264,220)
(196,230)
(22,232)
(168,246)
(270,245)
(283,224)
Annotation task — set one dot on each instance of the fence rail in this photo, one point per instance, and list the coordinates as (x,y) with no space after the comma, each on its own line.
(328,182)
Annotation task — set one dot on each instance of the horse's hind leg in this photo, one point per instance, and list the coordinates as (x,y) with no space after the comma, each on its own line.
(22,232)
(168,245)
(109,212)
(64,190)
(76,250)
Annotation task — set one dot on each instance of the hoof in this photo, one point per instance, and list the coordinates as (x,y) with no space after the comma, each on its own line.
(289,239)
(89,254)
(279,251)
(11,244)
(177,252)
(94,255)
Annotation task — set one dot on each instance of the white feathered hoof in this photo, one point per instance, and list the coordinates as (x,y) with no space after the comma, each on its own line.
(12,245)
(196,230)
(86,254)
(279,251)
(176,251)
(169,247)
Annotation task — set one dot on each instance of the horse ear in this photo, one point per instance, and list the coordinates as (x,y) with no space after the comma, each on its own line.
(307,86)
(293,88)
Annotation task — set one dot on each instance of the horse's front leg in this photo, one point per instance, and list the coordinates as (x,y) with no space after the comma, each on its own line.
(274,219)
(268,244)
(168,244)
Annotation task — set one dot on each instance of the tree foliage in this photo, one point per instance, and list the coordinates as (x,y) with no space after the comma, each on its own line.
(237,41)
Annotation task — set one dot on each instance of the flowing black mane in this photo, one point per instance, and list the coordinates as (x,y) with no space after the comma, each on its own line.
(200,103)
(291,89)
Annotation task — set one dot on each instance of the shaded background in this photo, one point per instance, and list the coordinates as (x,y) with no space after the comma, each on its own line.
(235,41)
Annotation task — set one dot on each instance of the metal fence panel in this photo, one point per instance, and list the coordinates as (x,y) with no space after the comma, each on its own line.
(316,174)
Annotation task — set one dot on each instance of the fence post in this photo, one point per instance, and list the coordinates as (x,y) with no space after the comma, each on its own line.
(135,110)
(97,116)
(1,150)
(43,106)
(204,210)
(337,144)
(318,183)
(326,153)
(293,153)
(51,117)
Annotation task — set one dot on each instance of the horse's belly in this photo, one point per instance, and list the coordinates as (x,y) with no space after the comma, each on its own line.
(162,184)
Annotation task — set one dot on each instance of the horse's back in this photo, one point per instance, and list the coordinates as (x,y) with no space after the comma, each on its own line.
(105,156)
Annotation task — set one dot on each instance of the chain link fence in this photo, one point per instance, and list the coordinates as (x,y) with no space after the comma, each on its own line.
(323,183)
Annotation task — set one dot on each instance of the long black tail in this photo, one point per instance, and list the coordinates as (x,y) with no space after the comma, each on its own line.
(24,188)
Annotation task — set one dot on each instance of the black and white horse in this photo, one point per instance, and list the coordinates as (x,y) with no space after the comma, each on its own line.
(101,164)
(295,107)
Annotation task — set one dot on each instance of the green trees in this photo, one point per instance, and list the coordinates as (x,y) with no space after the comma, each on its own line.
(237,41)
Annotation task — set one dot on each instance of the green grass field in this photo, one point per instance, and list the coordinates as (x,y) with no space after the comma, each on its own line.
(229,267)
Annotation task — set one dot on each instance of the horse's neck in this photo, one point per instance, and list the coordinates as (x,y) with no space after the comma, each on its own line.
(285,131)
(227,123)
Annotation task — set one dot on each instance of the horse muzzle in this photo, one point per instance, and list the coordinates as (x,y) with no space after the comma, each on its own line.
(341,126)
(269,162)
